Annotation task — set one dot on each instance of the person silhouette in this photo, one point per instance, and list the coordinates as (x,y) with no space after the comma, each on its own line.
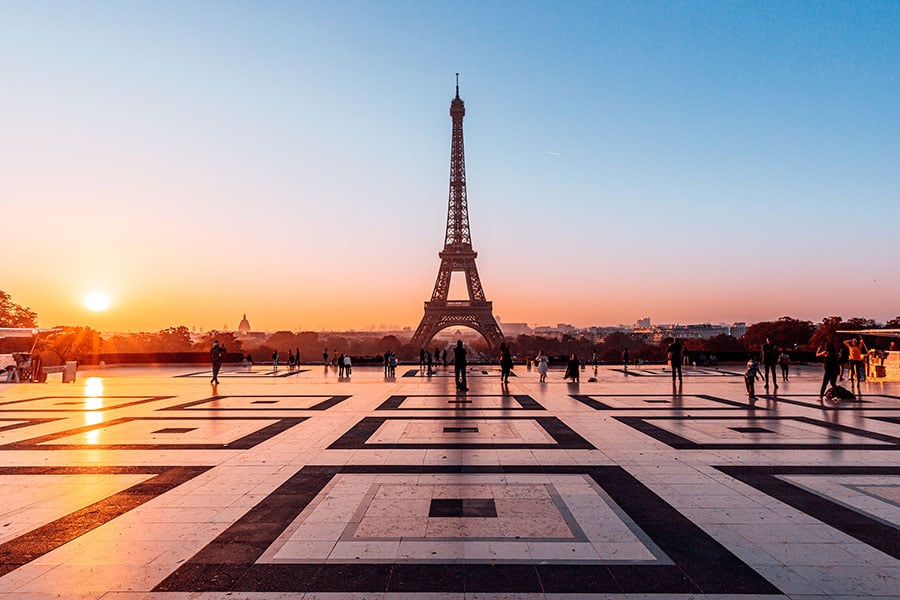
(459,366)
(506,363)
(216,355)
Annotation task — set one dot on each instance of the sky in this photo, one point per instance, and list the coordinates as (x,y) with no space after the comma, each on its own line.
(684,161)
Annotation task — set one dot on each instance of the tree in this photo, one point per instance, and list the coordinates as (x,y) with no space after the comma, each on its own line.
(69,344)
(14,315)
(724,343)
(174,339)
(893,323)
(786,331)
(857,323)
(825,332)
(226,338)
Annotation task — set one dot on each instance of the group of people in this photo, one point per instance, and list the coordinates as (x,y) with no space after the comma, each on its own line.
(428,359)
(855,351)
(341,362)
(390,364)
(770,357)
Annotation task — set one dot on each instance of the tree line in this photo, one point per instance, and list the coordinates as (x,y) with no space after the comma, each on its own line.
(787,332)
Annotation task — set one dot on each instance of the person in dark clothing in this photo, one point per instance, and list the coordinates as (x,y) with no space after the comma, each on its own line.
(675,353)
(422,359)
(843,360)
(625,360)
(769,357)
(459,366)
(832,367)
(216,355)
(506,363)
(572,368)
(784,360)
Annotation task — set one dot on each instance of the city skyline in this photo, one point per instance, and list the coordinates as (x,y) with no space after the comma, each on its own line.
(692,162)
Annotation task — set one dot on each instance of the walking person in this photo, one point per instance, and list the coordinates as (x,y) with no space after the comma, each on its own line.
(297,358)
(392,369)
(444,357)
(541,363)
(348,365)
(750,377)
(506,363)
(216,355)
(325,359)
(625,360)
(340,362)
(422,359)
(769,356)
(674,354)
(429,361)
(459,367)
(275,361)
(784,361)
(387,360)
(832,367)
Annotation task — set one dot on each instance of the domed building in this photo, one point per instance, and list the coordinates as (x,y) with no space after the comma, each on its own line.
(244,327)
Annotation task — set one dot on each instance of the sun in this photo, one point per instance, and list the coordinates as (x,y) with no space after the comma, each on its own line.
(97,301)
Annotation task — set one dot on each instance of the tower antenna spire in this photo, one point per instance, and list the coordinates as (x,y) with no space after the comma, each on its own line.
(457,85)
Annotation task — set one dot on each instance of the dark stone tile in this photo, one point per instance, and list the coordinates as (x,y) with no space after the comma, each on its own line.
(573,579)
(422,578)
(486,578)
(462,507)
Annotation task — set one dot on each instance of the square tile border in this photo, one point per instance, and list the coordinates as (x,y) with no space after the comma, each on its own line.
(852,522)
(673,440)
(589,400)
(248,441)
(328,402)
(140,400)
(37,542)
(700,563)
(524,401)
(355,438)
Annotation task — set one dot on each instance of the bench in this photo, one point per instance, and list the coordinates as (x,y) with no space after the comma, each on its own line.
(67,370)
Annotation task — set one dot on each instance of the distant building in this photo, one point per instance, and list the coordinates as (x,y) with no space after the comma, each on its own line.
(244,327)
(737,330)
(246,334)
(643,323)
(514,329)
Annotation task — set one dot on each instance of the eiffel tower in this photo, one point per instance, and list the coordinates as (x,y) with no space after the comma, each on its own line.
(457,256)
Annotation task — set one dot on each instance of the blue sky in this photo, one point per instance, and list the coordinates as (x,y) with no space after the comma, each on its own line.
(687,161)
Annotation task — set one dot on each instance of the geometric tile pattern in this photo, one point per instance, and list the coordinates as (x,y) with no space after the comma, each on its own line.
(249,558)
(33,542)
(143,433)
(774,433)
(457,403)
(863,502)
(261,402)
(693,402)
(400,488)
(460,433)
(75,403)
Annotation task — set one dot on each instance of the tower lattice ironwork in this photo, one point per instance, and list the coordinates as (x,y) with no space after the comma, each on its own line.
(457,256)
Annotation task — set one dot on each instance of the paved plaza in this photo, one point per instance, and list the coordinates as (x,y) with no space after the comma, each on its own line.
(145,482)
